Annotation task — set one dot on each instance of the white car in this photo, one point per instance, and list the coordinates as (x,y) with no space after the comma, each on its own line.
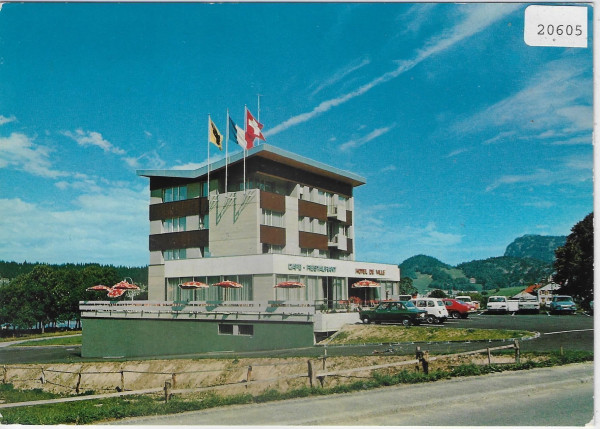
(501,304)
(468,300)
(435,308)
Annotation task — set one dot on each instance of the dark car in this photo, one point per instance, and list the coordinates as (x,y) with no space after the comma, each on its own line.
(394,311)
(457,309)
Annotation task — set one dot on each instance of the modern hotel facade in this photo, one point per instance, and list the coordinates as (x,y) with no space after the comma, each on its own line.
(269,217)
(292,219)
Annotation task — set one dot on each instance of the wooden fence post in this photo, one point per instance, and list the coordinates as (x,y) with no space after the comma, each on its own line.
(5,376)
(249,374)
(167,390)
(78,382)
(43,377)
(517,352)
(489,352)
(122,386)
(418,355)
(174,380)
(311,374)
(425,361)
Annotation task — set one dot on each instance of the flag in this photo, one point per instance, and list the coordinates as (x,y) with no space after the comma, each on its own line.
(237,134)
(214,136)
(253,130)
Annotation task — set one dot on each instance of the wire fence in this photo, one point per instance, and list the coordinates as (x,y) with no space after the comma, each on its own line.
(246,375)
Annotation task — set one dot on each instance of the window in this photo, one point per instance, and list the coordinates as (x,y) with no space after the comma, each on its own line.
(176,193)
(306,252)
(174,225)
(272,248)
(174,254)
(272,218)
(246,329)
(307,224)
(227,329)
(204,222)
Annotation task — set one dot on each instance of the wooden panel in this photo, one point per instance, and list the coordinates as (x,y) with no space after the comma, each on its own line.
(272,235)
(272,201)
(182,208)
(310,209)
(311,240)
(178,240)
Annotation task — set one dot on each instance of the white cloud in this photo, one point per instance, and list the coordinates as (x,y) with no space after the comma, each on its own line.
(476,18)
(189,166)
(4,119)
(340,74)
(555,102)
(93,138)
(573,169)
(352,144)
(505,135)
(388,168)
(106,227)
(19,151)
(151,160)
(457,152)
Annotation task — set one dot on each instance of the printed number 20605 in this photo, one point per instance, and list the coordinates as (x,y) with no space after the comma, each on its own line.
(559,30)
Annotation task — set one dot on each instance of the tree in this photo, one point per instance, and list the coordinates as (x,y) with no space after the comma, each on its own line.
(574,263)
(406,287)
(437,293)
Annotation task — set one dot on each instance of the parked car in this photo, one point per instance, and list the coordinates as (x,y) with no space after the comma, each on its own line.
(435,308)
(467,299)
(394,311)
(502,304)
(529,305)
(457,309)
(562,304)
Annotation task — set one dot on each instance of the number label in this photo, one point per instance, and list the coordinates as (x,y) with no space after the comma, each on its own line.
(562,26)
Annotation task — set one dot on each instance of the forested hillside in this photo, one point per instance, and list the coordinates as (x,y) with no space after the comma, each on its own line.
(10,270)
(505,271)
(540,247)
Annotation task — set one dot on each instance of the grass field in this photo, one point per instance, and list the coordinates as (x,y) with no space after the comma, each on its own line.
(45,335)
(369,334)
(72,340)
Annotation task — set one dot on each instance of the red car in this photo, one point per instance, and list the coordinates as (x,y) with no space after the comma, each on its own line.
(458,309)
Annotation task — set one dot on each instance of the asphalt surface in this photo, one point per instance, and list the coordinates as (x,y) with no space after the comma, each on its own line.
(559,396)
(571,332)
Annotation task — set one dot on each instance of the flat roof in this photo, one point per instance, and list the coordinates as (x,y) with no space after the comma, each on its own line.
(268,152)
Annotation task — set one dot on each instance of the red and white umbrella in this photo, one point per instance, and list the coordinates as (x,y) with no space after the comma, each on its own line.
(229,284)
(365,283)
(125,286)
(193,285)
(99,288)
(289,285)
(115,293)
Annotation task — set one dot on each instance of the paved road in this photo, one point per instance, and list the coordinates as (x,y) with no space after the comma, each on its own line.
(559,396)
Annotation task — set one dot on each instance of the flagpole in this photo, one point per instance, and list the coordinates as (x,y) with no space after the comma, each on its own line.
(226,146)
(258,116)
(245,150)
(208,155)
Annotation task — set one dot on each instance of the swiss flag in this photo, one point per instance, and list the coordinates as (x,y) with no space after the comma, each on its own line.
(253,130)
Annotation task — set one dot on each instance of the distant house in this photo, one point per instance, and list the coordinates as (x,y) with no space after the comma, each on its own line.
(545,293)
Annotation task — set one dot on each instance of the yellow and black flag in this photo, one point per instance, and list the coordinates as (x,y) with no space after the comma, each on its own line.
(214,136)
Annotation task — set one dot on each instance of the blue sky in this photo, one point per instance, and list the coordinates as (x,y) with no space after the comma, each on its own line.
(468,138)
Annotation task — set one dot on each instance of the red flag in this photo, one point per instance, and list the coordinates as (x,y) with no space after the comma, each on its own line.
(253,130)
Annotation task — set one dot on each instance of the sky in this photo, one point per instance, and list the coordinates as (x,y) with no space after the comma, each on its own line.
(467,137)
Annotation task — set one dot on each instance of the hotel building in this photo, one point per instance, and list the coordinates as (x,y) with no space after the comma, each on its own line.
(291,220)
(259,220)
